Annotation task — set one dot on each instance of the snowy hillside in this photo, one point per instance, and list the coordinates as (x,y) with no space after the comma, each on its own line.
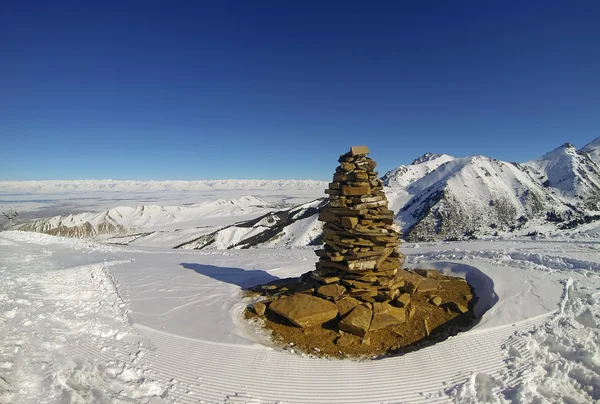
(570,172)
(471,196)
(437,197)
(405,175)
(24,187)
(593,150)
(479,196)
(126,219)
(295,227)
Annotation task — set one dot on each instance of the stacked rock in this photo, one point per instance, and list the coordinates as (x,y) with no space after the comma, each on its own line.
(361,239)
(358,281)
(360,260)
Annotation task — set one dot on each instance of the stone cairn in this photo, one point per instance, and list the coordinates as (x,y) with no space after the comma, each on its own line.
(360,258)
(358,279)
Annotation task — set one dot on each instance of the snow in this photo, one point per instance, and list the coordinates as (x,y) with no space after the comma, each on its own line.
(87,322)
(403,176)
(156,217)
(567,170)
(593,150)
(479,193)
(25,187)
(441,197)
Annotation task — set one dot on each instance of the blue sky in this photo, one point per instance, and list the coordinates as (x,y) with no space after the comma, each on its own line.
(276,89)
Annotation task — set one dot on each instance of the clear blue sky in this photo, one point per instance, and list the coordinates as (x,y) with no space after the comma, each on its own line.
(278,89)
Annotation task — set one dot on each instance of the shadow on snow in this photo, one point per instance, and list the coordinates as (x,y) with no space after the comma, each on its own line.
(244,278)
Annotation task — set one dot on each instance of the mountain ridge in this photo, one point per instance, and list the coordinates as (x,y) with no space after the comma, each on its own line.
(437,197)
(52,186)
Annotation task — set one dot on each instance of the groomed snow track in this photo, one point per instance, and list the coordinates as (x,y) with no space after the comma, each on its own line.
(112,324)
(216,373)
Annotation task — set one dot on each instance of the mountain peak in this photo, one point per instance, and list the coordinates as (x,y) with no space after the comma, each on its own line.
(592,146)
(563,149)
(425,158)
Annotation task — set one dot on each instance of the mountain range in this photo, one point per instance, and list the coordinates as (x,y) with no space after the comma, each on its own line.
(437,197)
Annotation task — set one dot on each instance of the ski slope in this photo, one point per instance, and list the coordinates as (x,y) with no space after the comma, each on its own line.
(85,322)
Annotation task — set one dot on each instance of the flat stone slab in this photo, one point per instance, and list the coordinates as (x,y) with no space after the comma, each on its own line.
(345,305)
(359,150)
(358,321)
(331,290)
(428,285)
(304,310)
(383,320)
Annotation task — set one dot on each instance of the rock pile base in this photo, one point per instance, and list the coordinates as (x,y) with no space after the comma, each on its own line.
(358,289)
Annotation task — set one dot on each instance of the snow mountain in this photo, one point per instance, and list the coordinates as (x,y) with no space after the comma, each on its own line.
(27,187)
(570,172)
(437,197)
(294,227)
(126,219)
(479,196)
(403,176)
(469,197)
(592,149)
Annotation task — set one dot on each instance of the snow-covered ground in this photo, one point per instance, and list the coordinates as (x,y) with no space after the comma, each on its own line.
(86,322)
(44,199)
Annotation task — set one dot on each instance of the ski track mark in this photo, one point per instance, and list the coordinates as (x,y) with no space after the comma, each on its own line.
(515,258)
(66,332)
(218,373)
(63,334)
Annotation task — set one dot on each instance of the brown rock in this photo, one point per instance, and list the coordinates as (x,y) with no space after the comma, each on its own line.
(361,265)
(367,279)
(358,321)
(332,290)
(383,320)
(344,341)
(386,253)
(327,216)
(411,286)
(381,307)
(359,150)
(364,285)
(259,308)
(324,279)
(457,307)
(428,273)
(360,176)
(398,313)
(304,310)
(338,203)
(428,285)
(403,300)
(435,300)
(346,304)
(347,166)
(363,294)
(349,222)
(350,191)
(409,277)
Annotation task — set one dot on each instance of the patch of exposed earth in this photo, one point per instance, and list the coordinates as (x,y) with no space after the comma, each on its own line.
(431,316)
